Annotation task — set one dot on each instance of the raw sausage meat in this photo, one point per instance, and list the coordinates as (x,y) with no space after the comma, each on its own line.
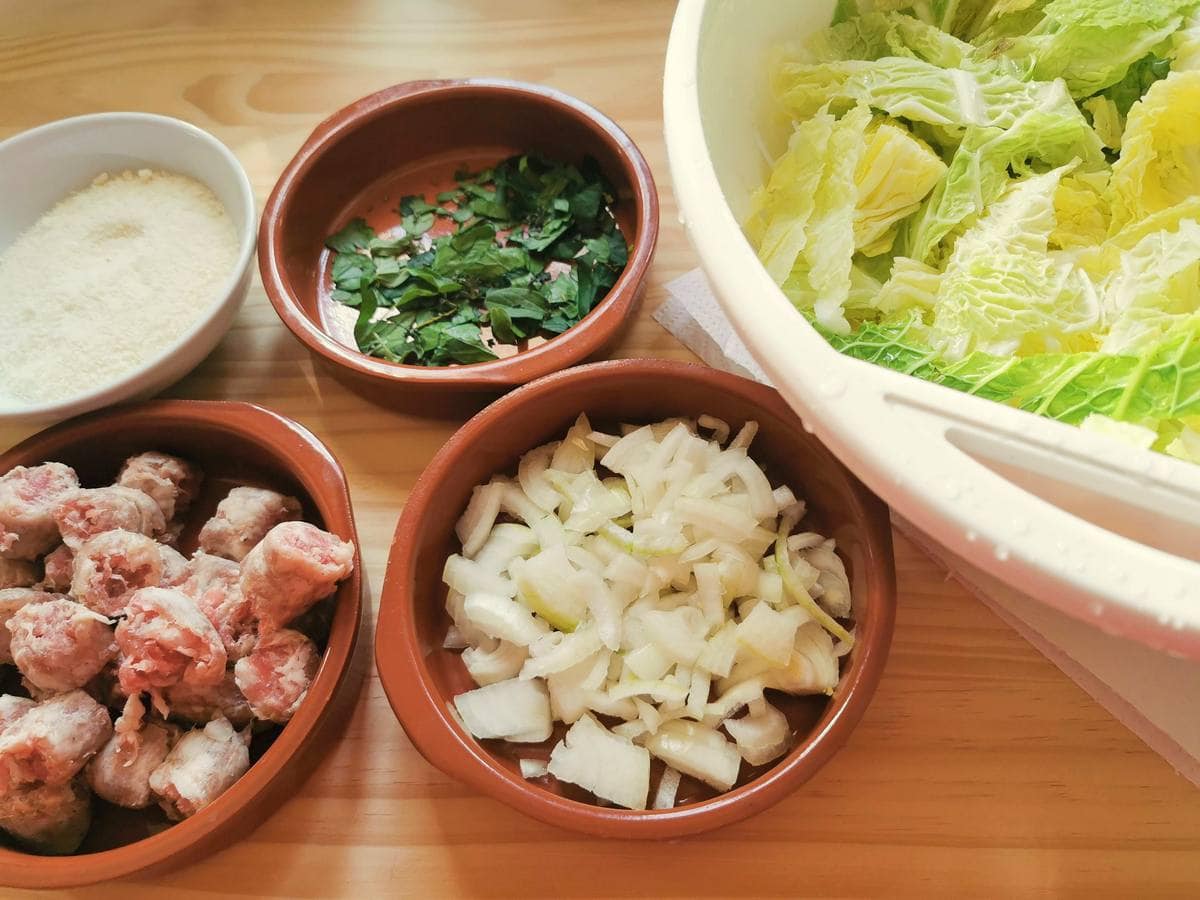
(275,678)
(293,567)
(48,818)
(51,742)
(171,482)
(92,511)
(28,498)
(60,645)
(200,767)
(120,772)
(213,582)
(111,566)
(164,640)
(242,520)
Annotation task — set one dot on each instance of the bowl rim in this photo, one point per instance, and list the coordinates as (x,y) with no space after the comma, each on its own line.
(577,343)
(128,384)
(430,725)
(312,463)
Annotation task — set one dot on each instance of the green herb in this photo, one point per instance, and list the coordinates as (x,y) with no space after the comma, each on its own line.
(427,301)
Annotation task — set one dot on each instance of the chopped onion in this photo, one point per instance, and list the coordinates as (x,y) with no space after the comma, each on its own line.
(610,766)
(654,576)
(668,784)
(533,768)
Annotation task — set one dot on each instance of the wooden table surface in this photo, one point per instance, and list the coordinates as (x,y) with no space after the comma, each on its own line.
(980,769)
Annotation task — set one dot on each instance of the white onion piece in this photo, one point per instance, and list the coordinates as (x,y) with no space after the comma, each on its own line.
(531,474)
(468,577)
(652,576)
(762,736)
(668,786)
(500,663)
(574,453)
(608,765)
(533,768)
(698,751)
(719,427)
(513,710)
(454,640)
(476,523)
(503,618)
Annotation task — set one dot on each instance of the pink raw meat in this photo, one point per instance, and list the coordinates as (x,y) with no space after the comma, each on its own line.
(164,640)
(57,568)
(293,567)
(111,566)
(28,498)
(17,573)
(200,704)
(48,818)
(92,511)
(214,583)
(60,645)
(171,482)
(200,767)
(242,520)
(120,772)
(53,741)
(275,678)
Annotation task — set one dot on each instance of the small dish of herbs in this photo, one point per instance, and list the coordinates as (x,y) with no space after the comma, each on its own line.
(520,251)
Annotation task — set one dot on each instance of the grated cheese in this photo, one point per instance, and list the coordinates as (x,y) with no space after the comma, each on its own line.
(106,280)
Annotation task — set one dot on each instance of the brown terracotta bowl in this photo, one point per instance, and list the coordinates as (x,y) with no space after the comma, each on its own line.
(232,443)
(410,138)
(421,678)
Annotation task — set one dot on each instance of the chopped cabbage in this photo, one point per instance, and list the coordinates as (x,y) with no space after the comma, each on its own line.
(1022,220)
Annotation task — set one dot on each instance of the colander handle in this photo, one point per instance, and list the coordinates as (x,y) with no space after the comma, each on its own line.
(979,465)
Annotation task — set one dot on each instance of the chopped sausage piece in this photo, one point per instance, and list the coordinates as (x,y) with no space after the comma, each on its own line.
(57,569)
(213,582)
(171,482)
(120,772)
(17,573)
(174,566)
(111,566)
(60,645)
(200,767)
(275,678)
(129,723)
(28,498)
(53,741)
(164,640)
(12,600)
(48,818)
(293,567)
(243,518)
(12,708)
(92,511)
(200,704)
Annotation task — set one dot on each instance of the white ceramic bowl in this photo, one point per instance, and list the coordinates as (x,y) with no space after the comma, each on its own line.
(1103,531)
(41,166)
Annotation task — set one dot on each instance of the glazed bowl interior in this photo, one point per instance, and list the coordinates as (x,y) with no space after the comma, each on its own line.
(421,678)
(412,138)
(233,443)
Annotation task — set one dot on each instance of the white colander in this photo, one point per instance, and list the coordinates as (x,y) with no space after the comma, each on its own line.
(1103,531)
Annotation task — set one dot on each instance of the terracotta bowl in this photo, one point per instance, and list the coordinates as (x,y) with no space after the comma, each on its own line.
(421,678)
(410,138)
(232,443)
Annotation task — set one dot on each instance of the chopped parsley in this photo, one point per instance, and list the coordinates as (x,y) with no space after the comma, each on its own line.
(510,223)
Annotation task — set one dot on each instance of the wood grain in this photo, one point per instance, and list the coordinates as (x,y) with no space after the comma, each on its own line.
(979,769)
